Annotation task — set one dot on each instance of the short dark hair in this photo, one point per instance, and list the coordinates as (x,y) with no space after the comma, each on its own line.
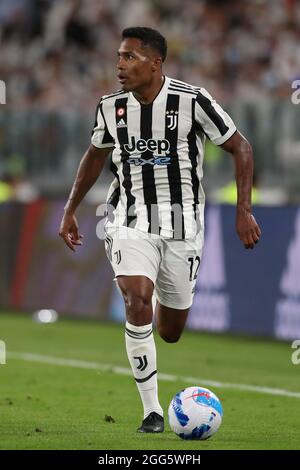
(149,37)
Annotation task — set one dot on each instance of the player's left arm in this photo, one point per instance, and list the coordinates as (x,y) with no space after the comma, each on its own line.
(246,225)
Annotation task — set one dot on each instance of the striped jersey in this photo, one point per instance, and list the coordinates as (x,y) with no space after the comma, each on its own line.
(157,157)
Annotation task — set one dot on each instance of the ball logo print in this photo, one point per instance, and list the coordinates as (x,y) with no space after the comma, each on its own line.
(195,413)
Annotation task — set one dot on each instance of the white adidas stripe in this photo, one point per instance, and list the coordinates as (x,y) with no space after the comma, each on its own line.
(58,361)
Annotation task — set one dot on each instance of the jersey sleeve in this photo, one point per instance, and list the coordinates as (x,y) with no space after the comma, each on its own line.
(101,137)
(215,122)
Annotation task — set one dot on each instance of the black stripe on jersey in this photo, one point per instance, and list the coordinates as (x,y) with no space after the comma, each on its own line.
(122,133)
(113,201)
(109,244)
(193,153)
(115,196)
(149,187)
(107,138)
(183,90)
(208,108)
(184,85)
(174,176)
(96,119)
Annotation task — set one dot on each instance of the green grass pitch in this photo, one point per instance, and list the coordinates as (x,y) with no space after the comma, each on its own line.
(63,406)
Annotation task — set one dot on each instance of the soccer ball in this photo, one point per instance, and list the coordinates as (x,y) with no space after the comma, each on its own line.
(195,413)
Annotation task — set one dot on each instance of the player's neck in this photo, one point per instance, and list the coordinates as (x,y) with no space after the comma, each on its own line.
(148,95)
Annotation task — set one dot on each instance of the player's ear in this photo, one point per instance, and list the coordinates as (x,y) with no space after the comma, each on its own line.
(157,63)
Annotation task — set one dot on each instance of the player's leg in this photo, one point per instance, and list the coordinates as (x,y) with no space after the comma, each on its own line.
(170,322)
(137,292)
(175,285)
(135,263)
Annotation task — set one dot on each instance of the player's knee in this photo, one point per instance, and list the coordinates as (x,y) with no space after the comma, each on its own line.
(137,303)
(169,337)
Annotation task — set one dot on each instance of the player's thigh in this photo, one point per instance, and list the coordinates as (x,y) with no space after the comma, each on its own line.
(135,262)
(176,280)
(131,255)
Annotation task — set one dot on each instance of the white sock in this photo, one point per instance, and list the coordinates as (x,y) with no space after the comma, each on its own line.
(141,352)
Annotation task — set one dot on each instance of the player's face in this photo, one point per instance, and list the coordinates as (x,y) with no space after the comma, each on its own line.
(136,65)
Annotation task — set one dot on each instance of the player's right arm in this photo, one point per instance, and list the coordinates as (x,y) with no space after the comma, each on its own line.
(88,172)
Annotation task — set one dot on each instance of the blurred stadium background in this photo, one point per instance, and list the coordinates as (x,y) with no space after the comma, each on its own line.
(57,58)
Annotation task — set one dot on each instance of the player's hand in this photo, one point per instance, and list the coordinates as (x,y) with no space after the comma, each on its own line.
(247,228)
(69,231)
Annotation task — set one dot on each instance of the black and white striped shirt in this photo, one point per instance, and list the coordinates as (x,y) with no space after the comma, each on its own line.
(158,155)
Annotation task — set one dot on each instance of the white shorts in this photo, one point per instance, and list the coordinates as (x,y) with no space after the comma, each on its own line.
(172,265)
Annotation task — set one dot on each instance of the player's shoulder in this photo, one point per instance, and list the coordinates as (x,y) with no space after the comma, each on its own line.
(113,96)
(184,87)
(199,93)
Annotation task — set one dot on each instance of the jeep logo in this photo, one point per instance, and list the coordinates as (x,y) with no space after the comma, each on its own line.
(141,145)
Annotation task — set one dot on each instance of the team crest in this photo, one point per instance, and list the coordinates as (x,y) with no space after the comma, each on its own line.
(172,119)
(117,255)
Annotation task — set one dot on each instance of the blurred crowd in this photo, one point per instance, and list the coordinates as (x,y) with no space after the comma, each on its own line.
(61,54)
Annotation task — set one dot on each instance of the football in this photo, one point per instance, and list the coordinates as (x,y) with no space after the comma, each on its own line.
(195,413)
